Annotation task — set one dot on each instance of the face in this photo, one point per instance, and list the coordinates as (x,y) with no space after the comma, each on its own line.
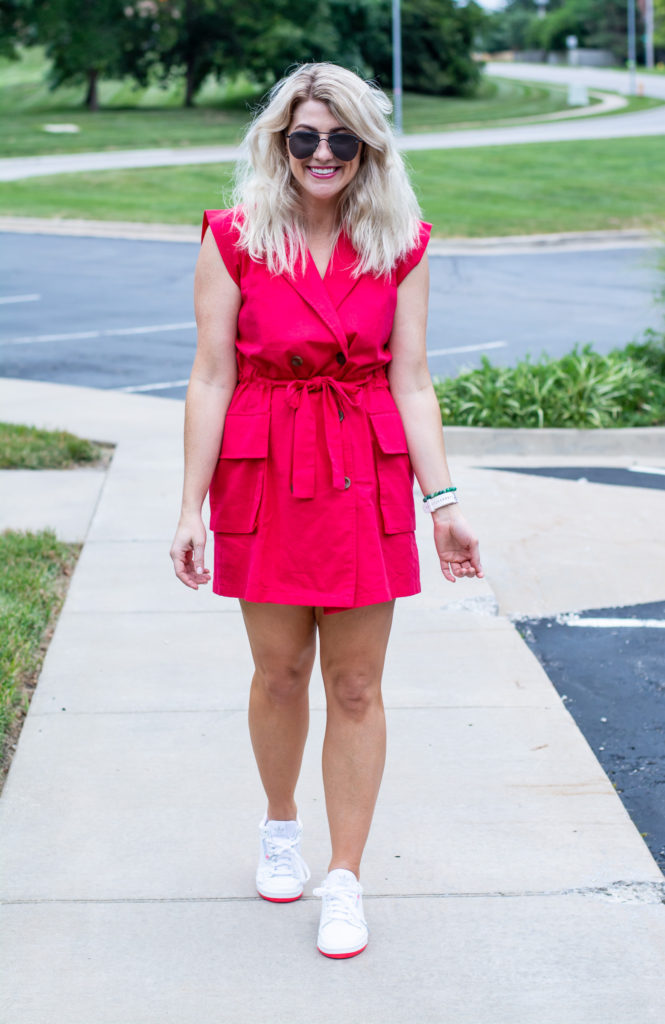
(322,176)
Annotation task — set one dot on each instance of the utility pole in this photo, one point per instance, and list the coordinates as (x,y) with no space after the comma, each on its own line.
(648,33)
(632,52)
(397,67)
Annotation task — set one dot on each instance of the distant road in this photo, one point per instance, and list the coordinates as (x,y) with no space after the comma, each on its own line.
(613,79)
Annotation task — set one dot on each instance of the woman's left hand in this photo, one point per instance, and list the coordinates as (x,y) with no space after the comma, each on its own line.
(456,545)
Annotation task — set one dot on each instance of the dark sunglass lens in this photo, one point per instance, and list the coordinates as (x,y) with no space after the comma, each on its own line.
(302,144)
(343,146)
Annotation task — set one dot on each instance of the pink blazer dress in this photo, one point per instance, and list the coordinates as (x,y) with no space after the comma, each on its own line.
(312,497)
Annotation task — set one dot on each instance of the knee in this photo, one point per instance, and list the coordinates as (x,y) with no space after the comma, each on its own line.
(283,684)
(354,692)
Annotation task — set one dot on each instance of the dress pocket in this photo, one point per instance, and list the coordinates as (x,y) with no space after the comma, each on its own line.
(394,472)
(236,487)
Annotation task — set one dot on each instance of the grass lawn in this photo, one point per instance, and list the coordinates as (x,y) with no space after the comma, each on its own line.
(29,448)
(133,117)
(497,190)
(35,576)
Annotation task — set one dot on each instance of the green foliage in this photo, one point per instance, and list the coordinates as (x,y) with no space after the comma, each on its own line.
(17,26)
(155,40)
(29,448)
(659,24)
(583,389)
(35,568)
(596,23)
(437,38)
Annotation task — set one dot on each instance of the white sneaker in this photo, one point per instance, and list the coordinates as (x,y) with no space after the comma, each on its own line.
(343,930)
(282,873)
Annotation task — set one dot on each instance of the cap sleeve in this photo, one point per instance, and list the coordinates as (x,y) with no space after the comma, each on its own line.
(414,256)
(225,233)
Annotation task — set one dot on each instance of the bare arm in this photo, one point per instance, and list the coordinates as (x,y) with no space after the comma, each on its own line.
(411,387)
(211,386)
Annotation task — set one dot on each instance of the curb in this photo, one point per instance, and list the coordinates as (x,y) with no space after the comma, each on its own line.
(629,238)
(477,441)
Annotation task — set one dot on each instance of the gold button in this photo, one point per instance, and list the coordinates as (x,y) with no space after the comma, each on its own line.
(297,361)
(347,483)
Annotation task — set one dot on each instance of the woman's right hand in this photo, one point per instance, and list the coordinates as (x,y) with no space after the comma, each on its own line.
(188,549)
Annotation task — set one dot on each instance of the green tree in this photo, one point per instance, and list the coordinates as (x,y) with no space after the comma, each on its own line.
(17,26)
(598,24)
(88,40)
(659,24)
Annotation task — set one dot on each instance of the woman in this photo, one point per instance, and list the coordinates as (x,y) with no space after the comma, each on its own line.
(311,371)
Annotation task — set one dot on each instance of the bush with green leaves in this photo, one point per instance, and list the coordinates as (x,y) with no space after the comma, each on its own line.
(584,389)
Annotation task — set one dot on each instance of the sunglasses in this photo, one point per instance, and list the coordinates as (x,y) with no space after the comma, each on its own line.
(342,145)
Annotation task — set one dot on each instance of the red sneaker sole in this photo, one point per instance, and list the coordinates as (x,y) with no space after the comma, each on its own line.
(342,956)
(275,899)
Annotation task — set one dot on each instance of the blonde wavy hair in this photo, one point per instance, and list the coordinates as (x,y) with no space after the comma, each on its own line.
(378,210)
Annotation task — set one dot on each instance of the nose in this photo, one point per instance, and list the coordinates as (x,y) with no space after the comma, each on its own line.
(327,151)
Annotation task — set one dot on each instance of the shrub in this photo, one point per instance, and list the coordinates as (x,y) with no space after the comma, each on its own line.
(625,388)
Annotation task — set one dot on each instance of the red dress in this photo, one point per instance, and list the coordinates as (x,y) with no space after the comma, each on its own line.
(312,498)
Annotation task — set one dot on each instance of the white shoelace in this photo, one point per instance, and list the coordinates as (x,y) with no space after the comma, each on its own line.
(285,859)
(341,904)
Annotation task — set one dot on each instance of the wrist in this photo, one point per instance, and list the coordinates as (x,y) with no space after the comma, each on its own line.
(189,511)
(445,514)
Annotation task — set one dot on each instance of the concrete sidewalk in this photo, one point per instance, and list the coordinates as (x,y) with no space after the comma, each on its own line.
(505,882)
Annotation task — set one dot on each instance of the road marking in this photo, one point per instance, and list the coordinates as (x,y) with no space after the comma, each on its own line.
(6,299)
(465,348)
(656,470)
(115,332)
(154,387)
(575,620)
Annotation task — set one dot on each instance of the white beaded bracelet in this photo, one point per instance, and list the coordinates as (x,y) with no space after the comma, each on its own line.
(440,501)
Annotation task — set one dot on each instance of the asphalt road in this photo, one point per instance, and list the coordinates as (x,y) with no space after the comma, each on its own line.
(608,666)
(117,313)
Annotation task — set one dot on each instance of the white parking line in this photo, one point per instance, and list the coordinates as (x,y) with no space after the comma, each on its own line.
(163,386)
(115,332)
(656,470)
(6,299)
(466,348)
(575,620)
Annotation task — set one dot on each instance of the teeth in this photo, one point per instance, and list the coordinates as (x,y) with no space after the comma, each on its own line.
(323,172)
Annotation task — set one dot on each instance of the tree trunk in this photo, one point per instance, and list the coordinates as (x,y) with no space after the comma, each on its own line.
(189,84)
(91,99)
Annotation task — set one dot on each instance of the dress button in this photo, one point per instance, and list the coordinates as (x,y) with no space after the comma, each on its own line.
(347,483)
(297,361)
(341,415)
(341,358)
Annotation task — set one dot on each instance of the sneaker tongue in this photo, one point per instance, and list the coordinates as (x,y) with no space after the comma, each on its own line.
(343,877)
(288,829)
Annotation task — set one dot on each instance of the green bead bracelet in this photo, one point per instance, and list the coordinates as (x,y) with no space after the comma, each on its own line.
(436,494)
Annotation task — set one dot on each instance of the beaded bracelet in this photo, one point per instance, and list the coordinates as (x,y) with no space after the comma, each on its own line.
(436,494)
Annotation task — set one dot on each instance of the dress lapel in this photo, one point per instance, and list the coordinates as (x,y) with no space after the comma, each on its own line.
(325,295)
(339,279)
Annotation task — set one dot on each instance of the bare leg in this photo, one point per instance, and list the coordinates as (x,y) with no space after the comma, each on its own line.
(283,643)
(353,649)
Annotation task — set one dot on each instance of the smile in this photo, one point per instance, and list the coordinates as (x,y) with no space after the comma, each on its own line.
(323,172)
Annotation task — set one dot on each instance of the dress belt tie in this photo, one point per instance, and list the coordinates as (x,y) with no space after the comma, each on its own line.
(336,394)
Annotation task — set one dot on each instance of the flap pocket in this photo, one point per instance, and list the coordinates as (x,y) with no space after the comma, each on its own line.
(245,436)
(389,432)
(236,487)
(394,472)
